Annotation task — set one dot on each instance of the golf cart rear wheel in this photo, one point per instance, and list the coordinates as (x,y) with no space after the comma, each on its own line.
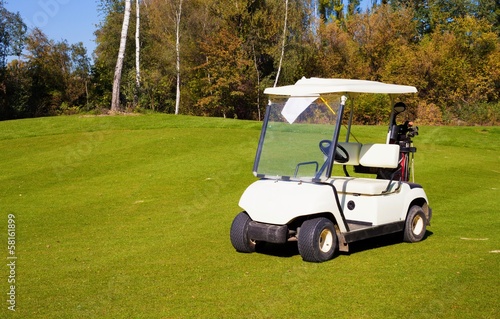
(415,226)
(239,234)
(317,240)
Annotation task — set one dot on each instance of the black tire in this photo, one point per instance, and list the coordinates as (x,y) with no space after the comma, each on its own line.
(239,234)
(317,240)
(415,225)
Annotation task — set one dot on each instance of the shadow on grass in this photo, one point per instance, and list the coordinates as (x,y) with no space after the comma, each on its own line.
(378,242)
(286,250)
(290,249)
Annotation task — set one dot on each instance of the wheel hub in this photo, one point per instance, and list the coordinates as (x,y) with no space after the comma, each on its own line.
(325,240)
(418,225)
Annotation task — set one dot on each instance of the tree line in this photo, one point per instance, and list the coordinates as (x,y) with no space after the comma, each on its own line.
(215,57)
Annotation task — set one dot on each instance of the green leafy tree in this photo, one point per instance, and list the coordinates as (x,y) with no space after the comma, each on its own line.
(224,70)
(12,35)
(17,85)
(162,69)
(58,73)
(12,38)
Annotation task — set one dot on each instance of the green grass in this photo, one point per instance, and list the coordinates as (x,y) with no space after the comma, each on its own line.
(129,216)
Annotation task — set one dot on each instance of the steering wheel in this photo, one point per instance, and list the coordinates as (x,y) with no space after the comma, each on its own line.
(325,145)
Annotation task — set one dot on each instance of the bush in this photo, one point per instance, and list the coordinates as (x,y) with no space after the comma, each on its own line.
(429,114)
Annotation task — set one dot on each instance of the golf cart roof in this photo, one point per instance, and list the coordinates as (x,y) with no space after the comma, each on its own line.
(317,86)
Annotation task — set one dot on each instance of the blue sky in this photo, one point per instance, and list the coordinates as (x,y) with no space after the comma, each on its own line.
(71,20)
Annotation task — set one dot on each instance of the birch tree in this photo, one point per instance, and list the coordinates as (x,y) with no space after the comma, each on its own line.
(115,101)
(137,51)
(283,44)
(178,14)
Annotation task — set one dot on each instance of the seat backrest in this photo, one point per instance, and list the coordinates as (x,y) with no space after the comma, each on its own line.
(353,149)
(379,155)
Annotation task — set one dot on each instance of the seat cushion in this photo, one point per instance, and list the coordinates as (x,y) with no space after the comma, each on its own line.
(379,155)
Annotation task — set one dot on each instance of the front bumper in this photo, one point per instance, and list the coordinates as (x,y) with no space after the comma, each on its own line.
(277,234)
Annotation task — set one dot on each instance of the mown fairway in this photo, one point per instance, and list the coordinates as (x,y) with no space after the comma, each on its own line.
(129,216)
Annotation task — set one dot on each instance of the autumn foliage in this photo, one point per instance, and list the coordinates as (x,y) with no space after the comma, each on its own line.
(229,52)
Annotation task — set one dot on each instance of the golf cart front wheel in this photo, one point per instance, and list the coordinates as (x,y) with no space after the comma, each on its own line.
(415,226)
(239,234)
(317,240)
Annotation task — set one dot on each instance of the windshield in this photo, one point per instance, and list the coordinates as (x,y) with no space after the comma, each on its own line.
(289,146)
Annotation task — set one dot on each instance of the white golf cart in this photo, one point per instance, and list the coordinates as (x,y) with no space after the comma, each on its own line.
(299,198)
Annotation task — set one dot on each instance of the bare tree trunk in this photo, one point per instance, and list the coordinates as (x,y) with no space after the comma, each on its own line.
(258,80)
(115,101)
(178,13)
(137,53)
(87,93)
(283,45)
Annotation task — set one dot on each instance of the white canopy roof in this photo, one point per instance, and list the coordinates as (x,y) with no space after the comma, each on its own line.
(317,86)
